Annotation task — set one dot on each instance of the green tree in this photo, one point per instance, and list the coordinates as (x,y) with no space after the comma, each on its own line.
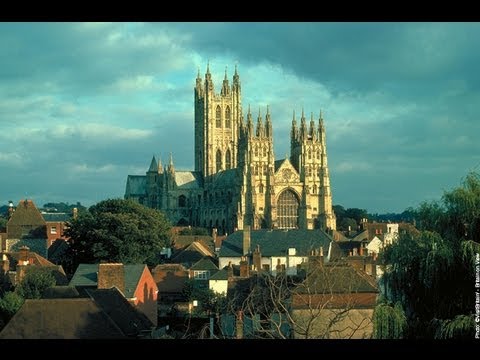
(9,305)
(346,223)
(432,274)
(35,282)
(389,322)
(209,302)
(117,230)
(3,222)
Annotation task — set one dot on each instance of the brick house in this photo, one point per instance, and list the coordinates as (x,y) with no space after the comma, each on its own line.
(134,281)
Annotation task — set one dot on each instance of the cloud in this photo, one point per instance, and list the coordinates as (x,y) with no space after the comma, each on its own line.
(85,104)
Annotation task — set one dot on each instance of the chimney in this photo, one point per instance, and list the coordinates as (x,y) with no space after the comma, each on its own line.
(230,270)
(11,209)
(74,213)
(246,239)
(244,268)
(278,267)
(257,258)
(239,325)
(23,254)
(316,258)
(361,250)
(4,268)
(110,275)
(214,235)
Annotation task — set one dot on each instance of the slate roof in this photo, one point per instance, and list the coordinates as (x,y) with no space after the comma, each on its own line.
(188,180)
(136,185)
(182,241)
(204,264)
(220,275)
(153,165)
(86,276)
(277,242)
(103,314)
(338,278)
(56,217)
(191,254)
(225,178)
(26,213)
(278,163)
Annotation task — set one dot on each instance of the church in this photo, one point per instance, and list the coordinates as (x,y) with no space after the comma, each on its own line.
(237,181)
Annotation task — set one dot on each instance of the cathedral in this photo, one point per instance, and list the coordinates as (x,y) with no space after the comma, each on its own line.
(237,181)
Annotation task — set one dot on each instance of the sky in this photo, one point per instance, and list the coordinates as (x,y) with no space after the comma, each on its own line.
(83,105)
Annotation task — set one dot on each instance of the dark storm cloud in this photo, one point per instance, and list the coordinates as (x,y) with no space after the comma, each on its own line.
(84,105)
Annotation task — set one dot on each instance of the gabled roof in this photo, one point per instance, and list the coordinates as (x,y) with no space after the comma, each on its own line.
(26,213)
(277,242)
(57,250)
(124,315)
(337,278)
(220,275)
(78,318)
(188,179)
(102,314)
(56,217)
(182,241)
(136,185)
(191,254)
(87,276)
(204,264)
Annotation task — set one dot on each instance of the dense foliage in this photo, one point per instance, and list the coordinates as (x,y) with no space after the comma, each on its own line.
(117,230)
(35,282)
(432,274)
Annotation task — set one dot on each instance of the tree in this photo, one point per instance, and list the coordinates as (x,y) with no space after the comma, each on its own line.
(35,282)
(3,222)
(389,322)
(117,230)
(432,274)
(9,305)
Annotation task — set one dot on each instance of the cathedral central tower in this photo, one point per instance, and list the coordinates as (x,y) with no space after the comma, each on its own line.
(217,118)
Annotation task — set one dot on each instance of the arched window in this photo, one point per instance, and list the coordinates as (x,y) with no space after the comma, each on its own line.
(227,118)
(318,154)
(287,210)
(314,188)
(228,160)
(261,188)
(264,151)
(182,201)
(265,170)
(309,154)
(218,117)
(219,160)
(256,150)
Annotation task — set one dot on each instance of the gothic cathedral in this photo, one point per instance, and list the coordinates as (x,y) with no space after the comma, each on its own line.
(237,180)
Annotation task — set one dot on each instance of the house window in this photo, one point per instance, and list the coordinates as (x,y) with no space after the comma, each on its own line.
(53,230)
(201,274)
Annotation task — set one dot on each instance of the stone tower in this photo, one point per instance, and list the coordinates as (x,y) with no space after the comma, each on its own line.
(217,119)
(309,157)
(256,158)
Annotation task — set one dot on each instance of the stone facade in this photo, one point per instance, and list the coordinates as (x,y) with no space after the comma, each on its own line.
(237,180)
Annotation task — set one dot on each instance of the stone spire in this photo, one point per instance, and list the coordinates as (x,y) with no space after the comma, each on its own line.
(225,86)
(260,128)
(171,168)
(153,165)
(303,126)
(294,131)
(312,129)
(160,166)
(236,80)
(208,78)
(249,122)
(268,124)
